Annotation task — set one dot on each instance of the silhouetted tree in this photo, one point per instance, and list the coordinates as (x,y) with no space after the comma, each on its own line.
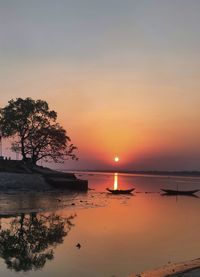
(35,130)
(30,239)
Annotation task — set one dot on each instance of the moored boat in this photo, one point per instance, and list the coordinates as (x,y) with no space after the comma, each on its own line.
(120,191)
(179,192)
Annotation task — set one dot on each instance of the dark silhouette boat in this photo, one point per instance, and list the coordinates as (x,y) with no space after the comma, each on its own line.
(120,191)
(179,192)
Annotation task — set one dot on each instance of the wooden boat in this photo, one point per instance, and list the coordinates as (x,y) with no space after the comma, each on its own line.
(120,191)
(179,192)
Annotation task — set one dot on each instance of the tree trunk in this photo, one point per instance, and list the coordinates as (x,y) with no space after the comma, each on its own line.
(24,158)
(33,160)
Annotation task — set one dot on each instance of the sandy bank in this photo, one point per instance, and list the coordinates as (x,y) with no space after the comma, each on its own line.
(183,269)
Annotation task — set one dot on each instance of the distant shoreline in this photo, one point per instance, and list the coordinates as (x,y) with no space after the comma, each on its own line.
(141,172)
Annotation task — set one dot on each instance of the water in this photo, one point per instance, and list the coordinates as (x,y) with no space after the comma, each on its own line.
(118,234)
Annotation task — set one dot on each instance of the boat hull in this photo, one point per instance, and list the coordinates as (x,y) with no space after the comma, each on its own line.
(119,191)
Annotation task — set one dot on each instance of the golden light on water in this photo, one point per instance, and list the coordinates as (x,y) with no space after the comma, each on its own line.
(116,181)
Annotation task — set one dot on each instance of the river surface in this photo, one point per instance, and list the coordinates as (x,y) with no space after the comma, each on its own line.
(97,234)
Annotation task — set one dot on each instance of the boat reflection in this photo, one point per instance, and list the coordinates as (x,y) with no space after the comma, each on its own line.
(179,195)
(27,241)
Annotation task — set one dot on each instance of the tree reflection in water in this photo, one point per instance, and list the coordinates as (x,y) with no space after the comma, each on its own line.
(30,239)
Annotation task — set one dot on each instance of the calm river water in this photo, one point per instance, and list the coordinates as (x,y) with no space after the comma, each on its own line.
(98,234)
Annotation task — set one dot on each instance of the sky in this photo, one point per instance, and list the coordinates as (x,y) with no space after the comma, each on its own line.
(123,76)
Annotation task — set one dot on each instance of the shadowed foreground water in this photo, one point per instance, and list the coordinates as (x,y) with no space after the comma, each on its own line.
(118,234)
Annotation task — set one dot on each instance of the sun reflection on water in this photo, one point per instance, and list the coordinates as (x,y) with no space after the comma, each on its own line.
(115,181)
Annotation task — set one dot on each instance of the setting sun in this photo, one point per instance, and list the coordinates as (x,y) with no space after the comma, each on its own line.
(116,159)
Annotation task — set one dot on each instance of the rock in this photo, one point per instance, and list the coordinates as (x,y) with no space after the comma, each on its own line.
(78,245)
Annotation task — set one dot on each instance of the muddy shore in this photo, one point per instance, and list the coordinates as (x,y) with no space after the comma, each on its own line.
(183,269)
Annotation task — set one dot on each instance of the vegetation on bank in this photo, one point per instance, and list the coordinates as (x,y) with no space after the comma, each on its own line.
(35,131)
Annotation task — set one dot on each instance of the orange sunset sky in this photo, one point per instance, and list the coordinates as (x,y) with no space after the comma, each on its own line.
(124,76)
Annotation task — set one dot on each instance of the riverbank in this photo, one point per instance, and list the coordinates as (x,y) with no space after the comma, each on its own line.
(183,269)
(22,182)
(21,175)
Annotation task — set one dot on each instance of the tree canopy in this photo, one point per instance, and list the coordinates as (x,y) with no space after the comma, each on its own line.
(37,134)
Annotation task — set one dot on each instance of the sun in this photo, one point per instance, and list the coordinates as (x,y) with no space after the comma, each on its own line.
(116,159)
